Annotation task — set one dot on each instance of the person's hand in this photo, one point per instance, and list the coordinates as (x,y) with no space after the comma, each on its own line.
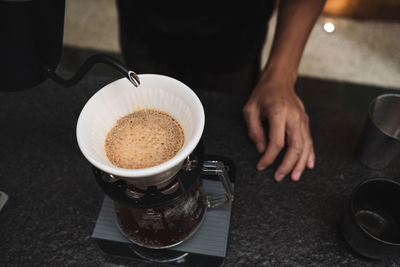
(274,99)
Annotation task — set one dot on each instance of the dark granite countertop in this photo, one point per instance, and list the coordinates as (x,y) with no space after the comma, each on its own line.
(54,200)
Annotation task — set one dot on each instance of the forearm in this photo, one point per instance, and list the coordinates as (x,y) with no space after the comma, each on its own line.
(296,19)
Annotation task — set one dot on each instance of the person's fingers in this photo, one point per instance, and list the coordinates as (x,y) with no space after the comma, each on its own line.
(311,156)
(305,155)
(256,131)
(276,140)
(293,153)
(311,159)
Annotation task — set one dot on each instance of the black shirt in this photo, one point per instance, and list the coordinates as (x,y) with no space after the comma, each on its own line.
(218,35)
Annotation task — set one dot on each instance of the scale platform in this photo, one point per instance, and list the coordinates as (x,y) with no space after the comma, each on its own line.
(206,247)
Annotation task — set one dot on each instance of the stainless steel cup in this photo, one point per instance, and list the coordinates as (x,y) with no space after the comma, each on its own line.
(380,141)
(371,220)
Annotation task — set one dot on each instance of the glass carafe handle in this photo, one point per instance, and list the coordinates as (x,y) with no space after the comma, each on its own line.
(212,167)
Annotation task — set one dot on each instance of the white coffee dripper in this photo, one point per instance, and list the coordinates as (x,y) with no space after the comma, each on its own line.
(121,98)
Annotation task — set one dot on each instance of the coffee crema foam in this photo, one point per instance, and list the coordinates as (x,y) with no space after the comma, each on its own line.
(143,139)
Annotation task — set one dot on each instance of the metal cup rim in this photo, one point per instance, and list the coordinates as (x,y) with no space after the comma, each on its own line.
(370,107)
(352,210)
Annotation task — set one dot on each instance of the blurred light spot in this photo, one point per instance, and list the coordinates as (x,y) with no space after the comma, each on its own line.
(329,27)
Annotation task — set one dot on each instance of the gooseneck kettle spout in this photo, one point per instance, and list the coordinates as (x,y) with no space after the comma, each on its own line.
(88,64)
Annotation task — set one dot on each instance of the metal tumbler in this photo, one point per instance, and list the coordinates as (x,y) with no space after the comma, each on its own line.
(380,141)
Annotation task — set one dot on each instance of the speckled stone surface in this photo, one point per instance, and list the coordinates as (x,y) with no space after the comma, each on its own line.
(54,200)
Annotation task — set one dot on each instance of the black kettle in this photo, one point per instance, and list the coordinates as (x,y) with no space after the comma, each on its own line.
(31,45)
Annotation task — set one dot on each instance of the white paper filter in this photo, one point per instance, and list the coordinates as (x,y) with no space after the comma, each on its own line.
(120,98)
